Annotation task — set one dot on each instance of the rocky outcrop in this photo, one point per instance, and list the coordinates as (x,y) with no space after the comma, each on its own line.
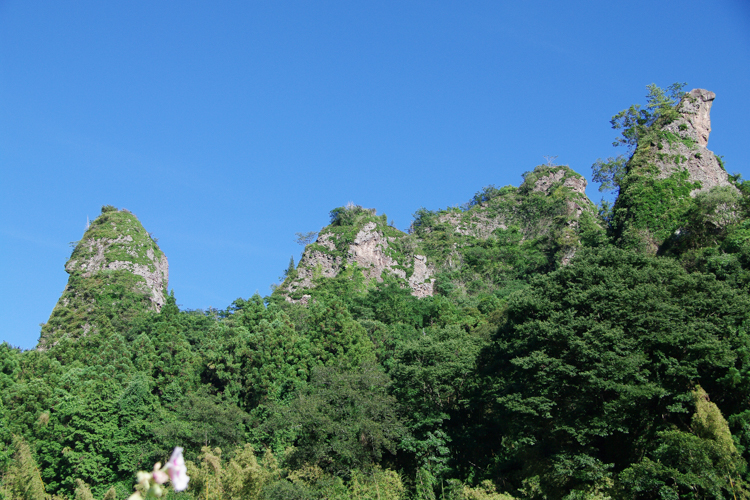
(116,272)
(547,208)
(314,264)
(684,145)
(421,283)
(370,252)
(498,213)
(479,225)
(670,166)
(577,202)
(155,272)
(695,109)
(544,183)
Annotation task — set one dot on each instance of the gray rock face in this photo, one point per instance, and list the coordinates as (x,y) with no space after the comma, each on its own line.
(369,253)
(156,272)
(576,184)
(315,264)
(312,265)
(479,225)
(690,152)
(422,285)
(696,111)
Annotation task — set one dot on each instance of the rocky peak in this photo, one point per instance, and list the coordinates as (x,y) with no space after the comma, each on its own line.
(359,241)
(684,140)
(550,176)
(546,179)
(670,166)
(695,109)
(120,243)
(117,261)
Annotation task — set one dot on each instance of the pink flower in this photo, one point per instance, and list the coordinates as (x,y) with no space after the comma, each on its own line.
(159,476)
(177,470)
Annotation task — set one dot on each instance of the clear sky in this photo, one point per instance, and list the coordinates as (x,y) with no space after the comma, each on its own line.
(226,127)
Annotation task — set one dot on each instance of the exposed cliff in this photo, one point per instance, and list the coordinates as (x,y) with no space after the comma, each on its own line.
(116,271)
(685,144)
(359,245)
(502,235)
(669,168)
(541,219)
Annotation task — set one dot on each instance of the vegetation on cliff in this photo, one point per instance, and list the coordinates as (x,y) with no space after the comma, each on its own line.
(564,351)
(117,272)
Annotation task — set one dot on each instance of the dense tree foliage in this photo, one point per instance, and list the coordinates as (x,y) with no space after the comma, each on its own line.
(556,360)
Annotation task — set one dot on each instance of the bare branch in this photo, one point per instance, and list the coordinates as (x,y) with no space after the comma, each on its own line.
(306,238)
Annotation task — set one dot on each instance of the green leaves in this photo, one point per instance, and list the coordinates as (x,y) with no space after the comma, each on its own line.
(594,356)
(635,121)
(703,463)
(22,480)
(609,173)
(336,339)
(343,420)
(200,419)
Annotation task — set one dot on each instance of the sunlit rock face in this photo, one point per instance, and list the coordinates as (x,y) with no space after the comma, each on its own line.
(116,270)
(690,151)
(369,252)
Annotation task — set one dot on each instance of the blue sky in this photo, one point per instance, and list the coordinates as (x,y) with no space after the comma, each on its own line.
(226,127)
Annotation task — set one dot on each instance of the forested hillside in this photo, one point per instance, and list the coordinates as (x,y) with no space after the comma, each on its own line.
(526,345)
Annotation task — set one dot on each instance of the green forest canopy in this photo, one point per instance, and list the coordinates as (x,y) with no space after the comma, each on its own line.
(620,375)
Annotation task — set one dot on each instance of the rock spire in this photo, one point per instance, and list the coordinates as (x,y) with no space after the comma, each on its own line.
(116,270)
(685,142)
